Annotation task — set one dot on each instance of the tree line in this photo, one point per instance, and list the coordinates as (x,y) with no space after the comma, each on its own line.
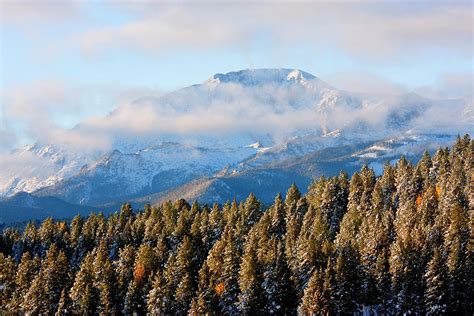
(399,243)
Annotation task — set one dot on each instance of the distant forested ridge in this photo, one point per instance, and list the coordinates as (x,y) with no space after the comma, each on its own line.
(395,244)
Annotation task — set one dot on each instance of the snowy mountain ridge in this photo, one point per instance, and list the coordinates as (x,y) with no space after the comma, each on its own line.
(274,117)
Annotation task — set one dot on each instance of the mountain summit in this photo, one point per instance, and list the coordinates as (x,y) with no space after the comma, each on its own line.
(217,140)
(255,77)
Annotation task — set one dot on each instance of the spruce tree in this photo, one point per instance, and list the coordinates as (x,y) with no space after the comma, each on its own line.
(314,247)
(397,244)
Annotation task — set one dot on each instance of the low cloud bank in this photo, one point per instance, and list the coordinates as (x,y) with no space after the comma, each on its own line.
(48,113)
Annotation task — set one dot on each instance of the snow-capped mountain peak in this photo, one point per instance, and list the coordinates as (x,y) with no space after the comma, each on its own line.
(298,76)
(255,77)
(305,115)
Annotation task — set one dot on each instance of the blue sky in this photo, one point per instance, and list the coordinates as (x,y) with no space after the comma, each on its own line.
(63,61)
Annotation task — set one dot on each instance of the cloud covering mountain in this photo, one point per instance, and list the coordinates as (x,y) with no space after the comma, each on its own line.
(226,133)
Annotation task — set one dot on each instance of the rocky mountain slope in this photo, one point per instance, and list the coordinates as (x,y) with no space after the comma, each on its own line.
(251,130)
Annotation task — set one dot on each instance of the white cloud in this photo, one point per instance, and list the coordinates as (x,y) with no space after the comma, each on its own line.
(26,165)
(170,30)
(46,111)
(363,82)
(366,30)
(53,11)
(452,85)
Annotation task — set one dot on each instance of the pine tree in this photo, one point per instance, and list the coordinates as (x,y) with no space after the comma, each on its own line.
(278,217)
(7,280)
(75,242)
(216,223)
(105,281)
(126,212)
(124,269)
(425,165)
(134,302)
(316,298)
(350,224)
(157,301)
(251,212)
(397,244)
(374,244)
(334,203)
(83,296)
(315,192)
(55,271)
(36,299)
(347,283)
(27,269)
(206,302)
(184,272)
(407,270)
(30,242)
(250,280)
(436,296)
(314,247)
(138,288)
(63,306)
(279,292)
(229,280)
(456,248)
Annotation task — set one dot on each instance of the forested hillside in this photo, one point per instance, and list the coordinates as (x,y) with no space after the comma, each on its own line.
(398,243)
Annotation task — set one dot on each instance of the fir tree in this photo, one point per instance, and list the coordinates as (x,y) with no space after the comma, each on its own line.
(278,217)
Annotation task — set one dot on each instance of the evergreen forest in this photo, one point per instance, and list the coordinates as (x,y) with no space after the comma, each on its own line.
(398,243)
